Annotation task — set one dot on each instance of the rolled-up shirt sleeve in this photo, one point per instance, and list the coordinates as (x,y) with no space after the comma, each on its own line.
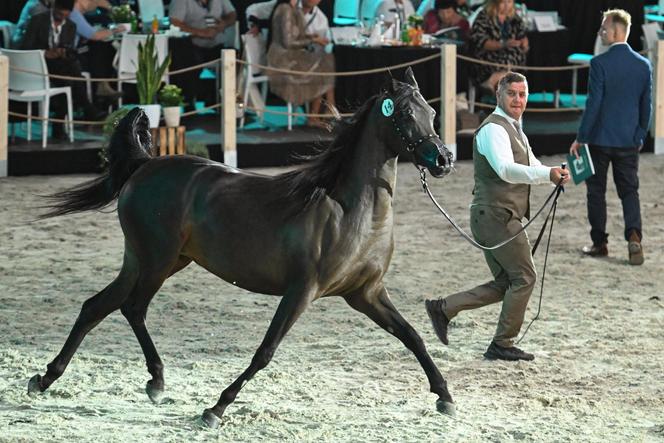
(493,142)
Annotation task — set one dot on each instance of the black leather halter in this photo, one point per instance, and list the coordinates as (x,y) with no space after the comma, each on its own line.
(410,144)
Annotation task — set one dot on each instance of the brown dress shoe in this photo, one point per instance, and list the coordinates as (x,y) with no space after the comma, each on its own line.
(438,319)
(635,250)
(512,353)
(600,250)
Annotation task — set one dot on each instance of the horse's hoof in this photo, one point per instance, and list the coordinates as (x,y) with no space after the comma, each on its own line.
(156,394)
(34,385)
(210,419)
(446,407)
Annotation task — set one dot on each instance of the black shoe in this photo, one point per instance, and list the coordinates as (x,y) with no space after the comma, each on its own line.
(438,319)
(513,353)
(596,250)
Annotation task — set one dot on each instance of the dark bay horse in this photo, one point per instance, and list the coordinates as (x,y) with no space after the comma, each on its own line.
(325,229)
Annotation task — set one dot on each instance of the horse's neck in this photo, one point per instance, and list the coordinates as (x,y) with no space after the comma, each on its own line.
(372,177)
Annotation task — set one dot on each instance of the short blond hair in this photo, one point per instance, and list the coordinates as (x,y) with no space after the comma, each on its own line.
(620,17)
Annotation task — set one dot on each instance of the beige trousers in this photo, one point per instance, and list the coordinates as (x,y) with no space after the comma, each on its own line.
(512,268)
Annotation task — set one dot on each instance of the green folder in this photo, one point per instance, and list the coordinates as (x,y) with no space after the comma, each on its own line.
(581,168)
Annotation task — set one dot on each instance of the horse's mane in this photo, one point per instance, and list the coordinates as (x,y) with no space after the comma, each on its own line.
(307,185)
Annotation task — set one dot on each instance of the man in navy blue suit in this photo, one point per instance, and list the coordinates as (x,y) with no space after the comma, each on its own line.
(614,126)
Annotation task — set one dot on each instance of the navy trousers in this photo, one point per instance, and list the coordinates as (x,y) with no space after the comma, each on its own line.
(625,165)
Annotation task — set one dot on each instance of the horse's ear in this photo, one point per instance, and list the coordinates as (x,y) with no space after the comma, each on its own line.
(389,86)
(410,78)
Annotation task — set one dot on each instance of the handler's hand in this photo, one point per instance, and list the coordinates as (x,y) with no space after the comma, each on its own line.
(574,148)
(559,173)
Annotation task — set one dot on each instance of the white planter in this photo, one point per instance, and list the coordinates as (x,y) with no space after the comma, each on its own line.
(171,115)
(153,112)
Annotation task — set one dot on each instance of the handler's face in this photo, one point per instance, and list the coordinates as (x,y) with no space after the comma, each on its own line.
(513,99)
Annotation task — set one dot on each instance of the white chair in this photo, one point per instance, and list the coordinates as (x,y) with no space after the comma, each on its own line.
(28,87)
(254,53)
(7,29)
(128,55)
(583,59)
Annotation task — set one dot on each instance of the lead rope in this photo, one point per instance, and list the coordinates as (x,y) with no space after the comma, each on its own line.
(425,186)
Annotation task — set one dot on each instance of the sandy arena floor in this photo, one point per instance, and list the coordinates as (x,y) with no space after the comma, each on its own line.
(597,376)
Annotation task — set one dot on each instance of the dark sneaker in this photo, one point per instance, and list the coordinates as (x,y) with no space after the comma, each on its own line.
(512,353)
(438,319)
(635,250)
(599,250)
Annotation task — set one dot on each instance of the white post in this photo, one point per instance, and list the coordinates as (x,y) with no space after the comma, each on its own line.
(4,116)
(228,111)
(658,105)
(448,97)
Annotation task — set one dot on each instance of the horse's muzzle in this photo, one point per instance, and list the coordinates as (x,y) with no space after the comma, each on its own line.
(444,160)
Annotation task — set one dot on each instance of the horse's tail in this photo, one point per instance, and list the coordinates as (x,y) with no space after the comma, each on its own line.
(129,148)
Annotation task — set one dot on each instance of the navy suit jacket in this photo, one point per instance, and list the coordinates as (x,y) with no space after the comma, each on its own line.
(619,101)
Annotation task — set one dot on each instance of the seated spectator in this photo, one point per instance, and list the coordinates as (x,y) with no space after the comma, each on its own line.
(315,20)
(289,47)
(206,21)
(53,32)
(498,35)
(98,55)
(444,15)
(258,16)
(30,9)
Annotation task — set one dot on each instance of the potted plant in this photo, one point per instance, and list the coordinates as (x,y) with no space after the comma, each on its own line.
(148,78)
(123,15)
(170,98)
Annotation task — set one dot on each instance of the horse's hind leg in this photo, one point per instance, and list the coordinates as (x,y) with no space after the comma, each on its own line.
(290,308)
(376,305)
(93,311)
(135,310)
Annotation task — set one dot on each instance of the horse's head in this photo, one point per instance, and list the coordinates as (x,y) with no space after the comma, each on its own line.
(411,120)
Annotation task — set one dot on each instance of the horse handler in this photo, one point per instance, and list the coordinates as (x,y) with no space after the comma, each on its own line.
(505,167)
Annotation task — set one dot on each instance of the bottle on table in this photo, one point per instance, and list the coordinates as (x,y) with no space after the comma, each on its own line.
(155,24)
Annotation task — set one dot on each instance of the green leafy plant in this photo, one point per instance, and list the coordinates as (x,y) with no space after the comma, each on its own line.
(122,13)
(170,95)
(149,72)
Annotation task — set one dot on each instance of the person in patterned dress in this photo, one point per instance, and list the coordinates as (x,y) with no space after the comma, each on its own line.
(498,35)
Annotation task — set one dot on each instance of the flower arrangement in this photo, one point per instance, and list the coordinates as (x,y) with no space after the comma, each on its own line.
(122,13)
(412,34)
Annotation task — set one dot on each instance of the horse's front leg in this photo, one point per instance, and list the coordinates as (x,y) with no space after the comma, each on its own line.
(292,305)
(376,304)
